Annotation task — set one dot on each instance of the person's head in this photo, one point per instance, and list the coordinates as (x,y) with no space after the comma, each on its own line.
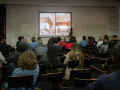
(84,37)
(1,38)
(59,39)
(33,39)
(114,36)
(76,54)
(72,39)
(4,39)
(101,38)
(55,40)
(27,60)
(23,46)
(20,38)
(24,39)
(106,37)
(40,41)
(38,38)
(116,55)
(105,41)
(50,42)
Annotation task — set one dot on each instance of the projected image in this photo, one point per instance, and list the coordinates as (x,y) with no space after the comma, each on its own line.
(55,24)
(62,23)
(47,23)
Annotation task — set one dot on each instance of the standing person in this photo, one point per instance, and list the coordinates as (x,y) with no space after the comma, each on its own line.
(83,43)
(72,40)
(33,44)
(111,81)
(27,65)
(74,54)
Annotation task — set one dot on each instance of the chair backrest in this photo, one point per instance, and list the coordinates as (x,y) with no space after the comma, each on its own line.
(73,64)
(82,82)
(80,73)
(20,81)
(88,61)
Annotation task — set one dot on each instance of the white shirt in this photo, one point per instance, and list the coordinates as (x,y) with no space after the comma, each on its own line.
(99,44)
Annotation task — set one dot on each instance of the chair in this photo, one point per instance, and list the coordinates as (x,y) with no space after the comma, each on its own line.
(20,81)
(80,73)
(73,64)
(82,82)
(88,61)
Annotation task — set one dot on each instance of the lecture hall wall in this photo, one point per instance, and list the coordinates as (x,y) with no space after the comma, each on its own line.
(24,21)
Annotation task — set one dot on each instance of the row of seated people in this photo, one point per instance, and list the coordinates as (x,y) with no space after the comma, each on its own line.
(26,60)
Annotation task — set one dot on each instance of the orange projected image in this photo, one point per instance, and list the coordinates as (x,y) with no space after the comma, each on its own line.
(55,23)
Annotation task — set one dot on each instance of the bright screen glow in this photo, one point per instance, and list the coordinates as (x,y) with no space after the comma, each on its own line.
(55,24)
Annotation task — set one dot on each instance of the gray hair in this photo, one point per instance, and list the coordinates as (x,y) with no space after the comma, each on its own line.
(23,46)
(33,39)
(40,41)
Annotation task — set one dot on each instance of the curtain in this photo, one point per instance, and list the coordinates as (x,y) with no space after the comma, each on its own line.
(2,20)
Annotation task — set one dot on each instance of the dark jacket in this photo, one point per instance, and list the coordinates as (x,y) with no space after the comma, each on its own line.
(3,45)
(58,48)
(14,58)
(110,82)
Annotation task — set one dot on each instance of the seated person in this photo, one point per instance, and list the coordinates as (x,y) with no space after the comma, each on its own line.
(100,42)
(50,42)
(23,46)
(39,40)
(74,54)
(94,40)
(56,45)
(51,57)
(83,43)
(106,37)
(91,43)
(40,49)
(110,46)
(111,81)
(72,40)
(62,42)
(33,44)
(19,40)
(27,65)
(104,46)
(3,44)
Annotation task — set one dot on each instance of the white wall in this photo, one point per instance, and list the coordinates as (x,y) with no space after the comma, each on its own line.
(23,21)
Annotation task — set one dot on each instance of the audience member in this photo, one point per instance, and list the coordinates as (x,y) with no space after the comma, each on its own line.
(111,81)
(110,46)
(51,57)
(106,37)
(94,40)
(74,55)
(56,45)
(39,40)
(24,39)
(72,40)
(100,42)
(83,43)
(3,44)
(27,65)
(33,44)
(23,46)
(114,39)
(2,58)
(50,42)
(91,44)
(62,42)
(40,49)
(104,46)
(59,39)
(19,40)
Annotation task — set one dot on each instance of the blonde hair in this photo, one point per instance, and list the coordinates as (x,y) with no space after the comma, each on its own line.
(27,60)
(76,54)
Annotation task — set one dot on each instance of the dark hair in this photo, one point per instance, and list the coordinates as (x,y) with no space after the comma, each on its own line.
(105,41)
(84,37)
(23,46)
(93,39)
(38,38)
(33,39)
(115,36)
(52,55)
(59,39)
(20,38)
(72,39)
(55,40)
(111,44)
(106,37)
(116,55)
(50,42)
